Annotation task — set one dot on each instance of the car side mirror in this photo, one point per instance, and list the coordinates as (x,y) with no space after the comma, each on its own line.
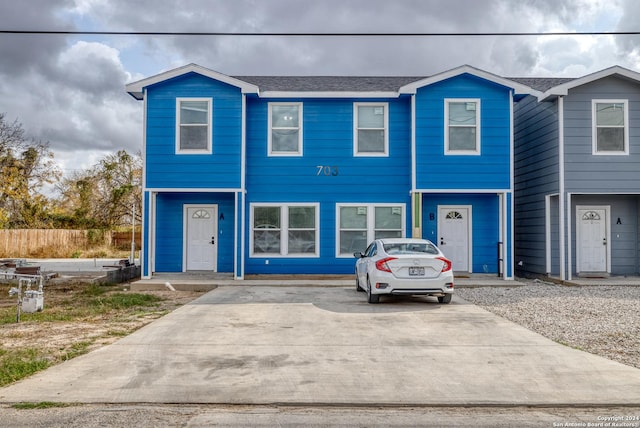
(358,255)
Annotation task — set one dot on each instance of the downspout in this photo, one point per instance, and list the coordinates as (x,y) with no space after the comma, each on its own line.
(416,197)
(511,202)
(561,200)
(413,143)
(243,170)
(547,233)
(243,143)
(144,224)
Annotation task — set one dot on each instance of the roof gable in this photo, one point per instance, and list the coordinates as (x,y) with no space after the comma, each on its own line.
(136,89)
(564,88)
(518,88)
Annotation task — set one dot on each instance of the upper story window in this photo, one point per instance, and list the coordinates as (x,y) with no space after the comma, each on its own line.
(462,126)
(610,127)
(193,125)
(285,129)
(371,129)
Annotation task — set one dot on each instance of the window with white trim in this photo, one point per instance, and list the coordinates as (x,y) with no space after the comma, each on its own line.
(285,129)
(371,129)
(359,224)
(193,125)
(288,230)
(610,127)
(462,126)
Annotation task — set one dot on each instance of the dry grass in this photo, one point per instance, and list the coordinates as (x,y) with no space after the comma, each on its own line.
(62,243)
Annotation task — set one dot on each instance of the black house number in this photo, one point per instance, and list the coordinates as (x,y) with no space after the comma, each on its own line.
(327,170)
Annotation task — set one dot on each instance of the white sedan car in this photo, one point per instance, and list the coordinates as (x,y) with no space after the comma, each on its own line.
(404,266)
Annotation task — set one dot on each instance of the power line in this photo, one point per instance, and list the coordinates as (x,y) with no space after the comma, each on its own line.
(315,34)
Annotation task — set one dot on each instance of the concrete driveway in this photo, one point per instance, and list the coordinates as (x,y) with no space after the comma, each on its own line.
(325,345)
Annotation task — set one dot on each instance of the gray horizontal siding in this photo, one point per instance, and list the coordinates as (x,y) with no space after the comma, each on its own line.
(536,175)
(624,234)
(585,172)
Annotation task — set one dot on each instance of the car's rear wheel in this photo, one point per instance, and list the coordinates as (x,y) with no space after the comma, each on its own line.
(445,299)
(371,298)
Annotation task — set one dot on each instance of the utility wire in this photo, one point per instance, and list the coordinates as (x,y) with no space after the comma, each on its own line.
(314,34)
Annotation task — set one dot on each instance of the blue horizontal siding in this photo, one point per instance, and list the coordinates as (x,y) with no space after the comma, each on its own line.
(170,228)
(490,169)
(327,141)
(485,225)
(166,169)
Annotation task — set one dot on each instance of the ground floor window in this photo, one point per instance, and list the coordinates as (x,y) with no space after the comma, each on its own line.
(359,224)
(285,230)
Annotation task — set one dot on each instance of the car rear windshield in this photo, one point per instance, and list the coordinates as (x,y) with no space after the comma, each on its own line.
(410,248)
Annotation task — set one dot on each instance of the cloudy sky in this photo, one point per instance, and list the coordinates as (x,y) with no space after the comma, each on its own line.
(69,90)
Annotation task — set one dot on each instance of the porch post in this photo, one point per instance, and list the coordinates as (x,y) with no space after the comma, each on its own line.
(547,234)
(239,237)
(569,239)
(509,270)
(144,235)
(561,200)
(151,237)
(502,234)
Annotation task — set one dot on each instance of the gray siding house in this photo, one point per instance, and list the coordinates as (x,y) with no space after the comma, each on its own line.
(577,176)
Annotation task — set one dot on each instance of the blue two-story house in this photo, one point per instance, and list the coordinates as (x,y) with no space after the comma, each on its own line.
(462,180)
(292,175)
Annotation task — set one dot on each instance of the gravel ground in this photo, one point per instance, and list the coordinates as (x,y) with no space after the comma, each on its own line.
(602,320)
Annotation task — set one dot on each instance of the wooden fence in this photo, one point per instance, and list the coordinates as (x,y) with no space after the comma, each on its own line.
(56,243)
(123,239)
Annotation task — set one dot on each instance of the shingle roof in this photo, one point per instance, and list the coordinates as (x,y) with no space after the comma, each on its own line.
(328,83)
(541,84)
(367,83)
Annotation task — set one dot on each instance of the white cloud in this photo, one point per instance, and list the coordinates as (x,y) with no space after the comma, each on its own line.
(77,103)
(70,90)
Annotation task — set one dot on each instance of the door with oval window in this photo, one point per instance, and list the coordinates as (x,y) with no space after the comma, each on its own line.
(592,239)
(201,238)
(454,235)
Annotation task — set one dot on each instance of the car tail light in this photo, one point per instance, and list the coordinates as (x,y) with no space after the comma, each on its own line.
(382,264)
(446,267)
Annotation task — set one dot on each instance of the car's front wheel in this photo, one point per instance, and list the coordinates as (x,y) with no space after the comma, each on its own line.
(445,299)
(371,298)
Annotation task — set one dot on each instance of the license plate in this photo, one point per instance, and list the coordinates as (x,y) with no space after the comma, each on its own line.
(416,271)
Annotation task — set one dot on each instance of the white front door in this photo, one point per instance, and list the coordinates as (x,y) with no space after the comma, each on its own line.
(592,239)
(201,246)
(454,235)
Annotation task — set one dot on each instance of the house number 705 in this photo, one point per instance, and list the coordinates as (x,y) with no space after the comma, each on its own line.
(327,170)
